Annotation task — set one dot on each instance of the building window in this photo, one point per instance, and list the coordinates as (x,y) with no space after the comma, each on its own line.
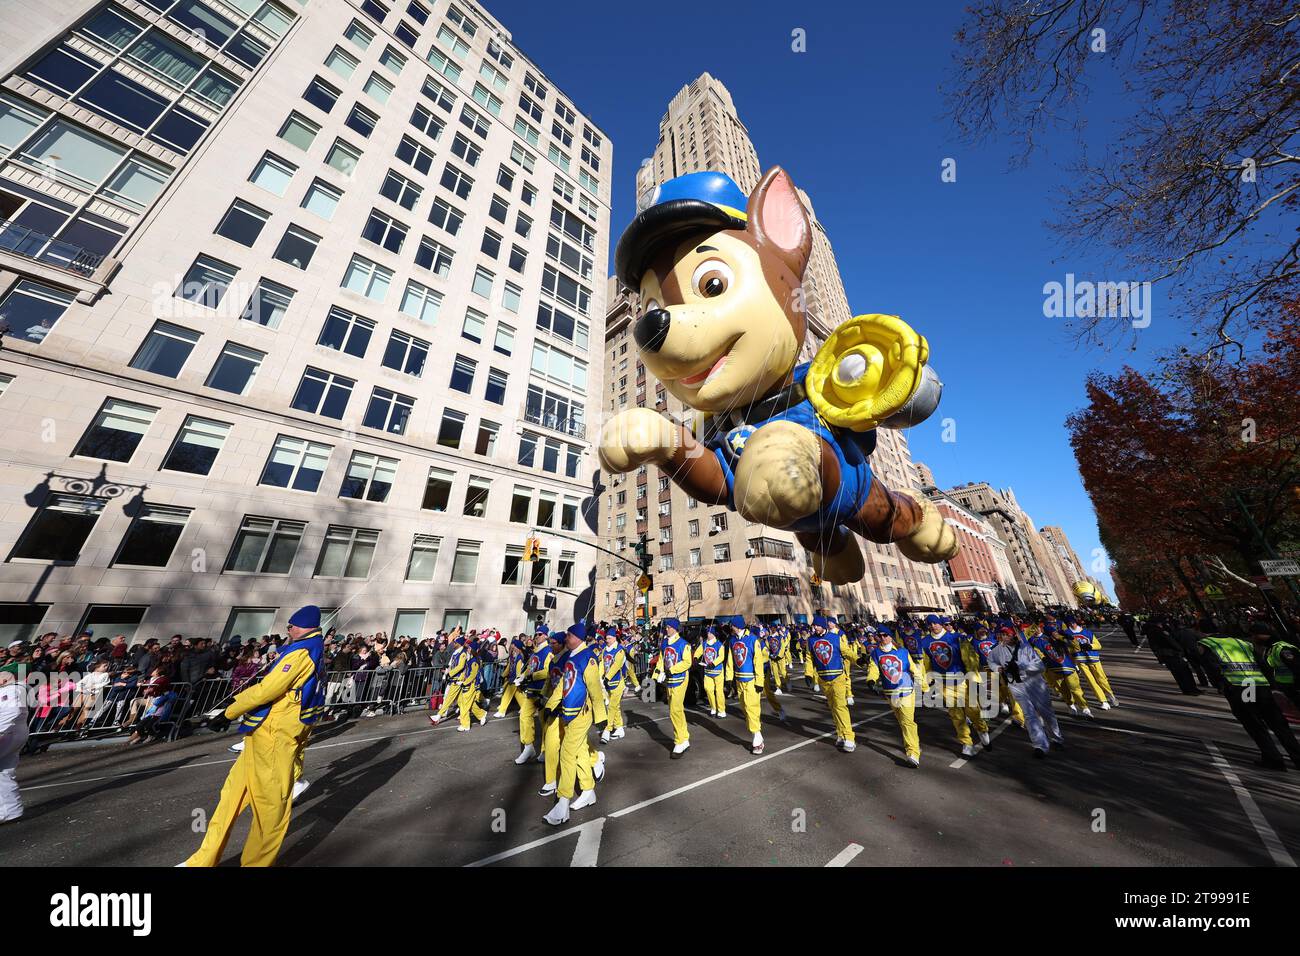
(718,523)
(299,131)
(235,369)
(321,95)
(29,310)
(322,393)
(367,278)
(361,120)
(196,446)
(388,411)
(273,174)
(462,374)
(165,349)
(268,304)
(358,35)
(486,443)
(242,223)
(413,154)
(116,432)
(423,558)
(405,353)
(152,537)
(296,247)
(464,568)
(265,546)
(346,552)
(527,450)
(466,150)
(369,477)
(695,557)
(343,157)
(421,303)
(384,231)
(400,190)
(206,282)
(521,503)
(456,181)
(512,572)
(378,88)
(546,510)
(346,332)
(451,428)
(59,529)
(695,590)
(446,217)
(495,392)
(295,463)
(722,552)
(482,284)
(725,589)
(476,497)
(491,244)
(428,124)
(437,490)
(510,297)
(392,61)
(434,256)
(474,326)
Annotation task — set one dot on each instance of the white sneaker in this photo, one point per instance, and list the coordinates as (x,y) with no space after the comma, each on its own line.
(757,746)
(1004,710)
(848,701)
(914,761)
(984,739)
(604,737)
(585,799)
(237,748)
(713,713)
(618,734)
(598,771)
(817,688)
(483,720)
(182,863)
(559,813)
(1105,706)
(778,693)
(1087,713)
(435,719)
(547,789)
(849,746)
(300,788)
(839,741)
(968,750)
(680,749)
(462,730)
(1114,701)
(1074,709)
(528,751)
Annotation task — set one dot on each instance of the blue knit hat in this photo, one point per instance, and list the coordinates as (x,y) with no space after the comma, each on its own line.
(308,617)
(672,622)
(542,629)
(819,621)
(579,630)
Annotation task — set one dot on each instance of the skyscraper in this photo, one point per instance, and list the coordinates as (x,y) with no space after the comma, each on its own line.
(709,560)
(299,303)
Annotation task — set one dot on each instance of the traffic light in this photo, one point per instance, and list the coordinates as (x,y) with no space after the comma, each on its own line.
(532,549)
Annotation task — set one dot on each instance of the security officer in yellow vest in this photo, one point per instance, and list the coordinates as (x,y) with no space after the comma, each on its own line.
(1281,660)
(278,712)
(674,664)
(579,702)
(1233,667)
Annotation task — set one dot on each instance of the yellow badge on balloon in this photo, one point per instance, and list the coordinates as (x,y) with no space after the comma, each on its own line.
(866,371)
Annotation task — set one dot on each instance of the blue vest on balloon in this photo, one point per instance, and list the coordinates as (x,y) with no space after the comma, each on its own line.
(310,696)
(673,653)
(715,658)
(826,657)
(742,656)
(895,666)
(575,688)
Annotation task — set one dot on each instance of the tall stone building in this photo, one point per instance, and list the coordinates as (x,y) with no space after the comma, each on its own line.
(708,560)
(301,306)
(1069,560)
(1032,584)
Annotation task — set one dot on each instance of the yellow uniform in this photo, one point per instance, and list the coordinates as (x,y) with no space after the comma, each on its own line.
(279,708)
(577,700)
(674,663)
(509,693)
(900,677)
(713,656)
(828,652)
(469,692)
(612,664)
(956,694)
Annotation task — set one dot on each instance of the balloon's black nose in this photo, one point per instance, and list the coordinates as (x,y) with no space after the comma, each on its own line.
(651,329)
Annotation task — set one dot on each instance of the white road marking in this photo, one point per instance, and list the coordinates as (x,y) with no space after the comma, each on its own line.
(1266,833)
(845,855)
(961,761)
(515,851)
(588,848)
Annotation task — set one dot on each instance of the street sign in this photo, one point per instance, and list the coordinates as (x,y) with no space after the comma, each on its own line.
(1213,591)
(1278,569)
(644,583)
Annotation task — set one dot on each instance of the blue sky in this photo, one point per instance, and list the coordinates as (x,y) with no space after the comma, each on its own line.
(857,121)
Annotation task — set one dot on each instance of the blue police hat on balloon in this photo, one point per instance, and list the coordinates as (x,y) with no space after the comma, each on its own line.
(308,617)
(697,202)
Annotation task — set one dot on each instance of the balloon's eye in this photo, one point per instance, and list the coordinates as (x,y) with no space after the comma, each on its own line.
(712,278)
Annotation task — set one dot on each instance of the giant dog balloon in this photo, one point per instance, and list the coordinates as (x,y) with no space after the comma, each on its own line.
(720,280)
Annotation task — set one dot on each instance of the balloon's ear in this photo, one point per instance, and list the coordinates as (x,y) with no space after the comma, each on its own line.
(778,220)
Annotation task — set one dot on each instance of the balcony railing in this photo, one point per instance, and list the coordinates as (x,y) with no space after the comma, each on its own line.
(42,248)
(573,427)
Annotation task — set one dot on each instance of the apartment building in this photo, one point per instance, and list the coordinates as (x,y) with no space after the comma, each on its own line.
(300,305)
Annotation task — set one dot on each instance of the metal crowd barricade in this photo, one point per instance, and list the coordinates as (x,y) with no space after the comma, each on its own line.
(59,712)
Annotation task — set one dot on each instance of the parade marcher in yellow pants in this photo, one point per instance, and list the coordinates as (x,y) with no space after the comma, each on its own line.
(827,649)
(455,666)
(848,661)
(674,664)
(469,689)
(613,669)
(578,702)
(530,681)
(954,664)
(778,655)
(1087,659)
(1061,670)
(629,655)
(277,713)
(551,721)
(514,667)
(892,671)
(713,654)
(746,663)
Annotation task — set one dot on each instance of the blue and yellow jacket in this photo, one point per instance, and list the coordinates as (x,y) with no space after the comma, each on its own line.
(828,652)
(613,666)
(291,695)
(895,669)
(674,661)
(578,688)
(713,653)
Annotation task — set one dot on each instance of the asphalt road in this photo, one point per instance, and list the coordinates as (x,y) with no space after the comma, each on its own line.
(1163,780)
